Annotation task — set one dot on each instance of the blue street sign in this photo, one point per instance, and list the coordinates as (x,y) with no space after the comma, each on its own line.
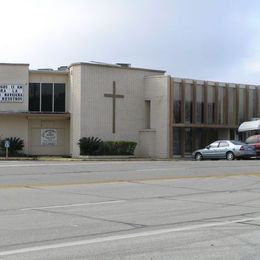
(7,143)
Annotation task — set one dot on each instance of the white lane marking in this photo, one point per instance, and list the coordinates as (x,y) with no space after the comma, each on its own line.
(155,169)
(74,205)
(120,237)
(53,164)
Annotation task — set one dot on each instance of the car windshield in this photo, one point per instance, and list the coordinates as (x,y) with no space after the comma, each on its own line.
(236,142)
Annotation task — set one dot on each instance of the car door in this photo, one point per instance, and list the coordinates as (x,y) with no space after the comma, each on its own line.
(222,149)
(210,151)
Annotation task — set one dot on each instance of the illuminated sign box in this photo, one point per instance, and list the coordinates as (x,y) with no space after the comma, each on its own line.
(11,93)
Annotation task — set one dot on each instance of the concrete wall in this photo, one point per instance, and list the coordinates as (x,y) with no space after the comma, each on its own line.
(95,115)
(62,128)
(14,126)
(17,74)
(147,139)
(157,91)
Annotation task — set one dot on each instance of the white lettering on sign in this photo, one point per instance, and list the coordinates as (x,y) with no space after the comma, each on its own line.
(48,136)
(11,93)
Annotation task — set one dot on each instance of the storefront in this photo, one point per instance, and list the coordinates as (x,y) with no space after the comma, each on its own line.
(206,111)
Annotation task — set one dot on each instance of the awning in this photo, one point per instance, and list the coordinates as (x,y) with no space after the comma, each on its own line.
(249,126)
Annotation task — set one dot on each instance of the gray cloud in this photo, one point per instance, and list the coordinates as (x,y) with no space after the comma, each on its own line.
(204,39)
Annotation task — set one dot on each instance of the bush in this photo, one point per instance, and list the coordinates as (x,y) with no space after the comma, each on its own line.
(16,145)
(95,146)
(119,147)
(90,145)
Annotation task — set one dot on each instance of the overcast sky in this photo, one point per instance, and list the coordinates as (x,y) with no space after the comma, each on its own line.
(202,39)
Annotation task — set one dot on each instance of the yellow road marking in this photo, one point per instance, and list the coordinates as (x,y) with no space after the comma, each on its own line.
(57,184)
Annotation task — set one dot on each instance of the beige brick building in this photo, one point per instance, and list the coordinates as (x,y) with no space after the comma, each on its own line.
(52,109)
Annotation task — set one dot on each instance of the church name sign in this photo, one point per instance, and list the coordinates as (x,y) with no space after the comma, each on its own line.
(11,93)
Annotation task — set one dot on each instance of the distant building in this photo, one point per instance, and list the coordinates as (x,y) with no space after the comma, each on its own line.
(52,109)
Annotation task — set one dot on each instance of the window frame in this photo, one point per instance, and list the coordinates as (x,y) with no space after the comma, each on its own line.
(53,97)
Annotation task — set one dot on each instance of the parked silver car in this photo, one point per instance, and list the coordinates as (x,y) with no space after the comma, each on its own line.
(222,149)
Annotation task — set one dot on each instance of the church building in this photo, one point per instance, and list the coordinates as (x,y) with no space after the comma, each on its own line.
(168,117)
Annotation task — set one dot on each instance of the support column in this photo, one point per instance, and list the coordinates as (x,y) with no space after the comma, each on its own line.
(170,100)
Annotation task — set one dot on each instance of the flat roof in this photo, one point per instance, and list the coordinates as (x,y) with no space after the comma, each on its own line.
(211,82)
(41,71)
(14,64)
(116,66)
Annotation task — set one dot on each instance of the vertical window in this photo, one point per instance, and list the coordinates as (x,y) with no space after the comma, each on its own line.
(200,104)
(177,102)
(59,97)
(188,140)
(252,103)
(47,94)
(242,104)
(147,114)
(232,105)
(176,141)
(221,104)
(188,103)
(211,104)
(34,97)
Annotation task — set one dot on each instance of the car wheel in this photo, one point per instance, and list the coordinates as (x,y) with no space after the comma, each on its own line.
(198,157)
(230,156)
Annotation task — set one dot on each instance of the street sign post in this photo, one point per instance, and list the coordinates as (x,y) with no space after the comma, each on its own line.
(7,145)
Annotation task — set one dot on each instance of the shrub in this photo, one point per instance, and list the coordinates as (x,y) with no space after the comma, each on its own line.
(119,147)
(16,145)
(95,146)
(90,145)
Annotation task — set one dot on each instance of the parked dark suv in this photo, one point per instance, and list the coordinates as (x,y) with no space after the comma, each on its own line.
(254,140)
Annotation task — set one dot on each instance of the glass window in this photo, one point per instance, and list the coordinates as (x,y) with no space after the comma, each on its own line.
(232,106)
(211,104)
(236,142)
(34,97)
(147,114)
(252,103)
(47,94)
(223,144)
(200,104)
(221,104)
(59,97)
(188,102)
(242,103)
(176,141)
(214,145)
(47,97)
(177,102)
(188,140)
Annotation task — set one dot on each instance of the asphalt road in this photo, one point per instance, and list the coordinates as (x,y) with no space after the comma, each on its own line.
(130,210)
